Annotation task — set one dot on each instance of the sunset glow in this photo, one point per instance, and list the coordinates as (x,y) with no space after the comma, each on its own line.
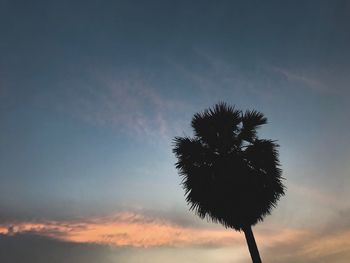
(94,93)
(127,229)
(136,230)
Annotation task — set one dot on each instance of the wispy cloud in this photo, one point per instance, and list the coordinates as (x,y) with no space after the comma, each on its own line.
(125,229)
(302,78)
(127,102)
(327,243)
(138,230)
(312,247)
(327,81)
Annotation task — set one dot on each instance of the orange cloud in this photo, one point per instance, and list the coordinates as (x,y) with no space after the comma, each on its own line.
(308,246)
(329,244)
(3,230)
(272,237)
(137,230)
(127,229)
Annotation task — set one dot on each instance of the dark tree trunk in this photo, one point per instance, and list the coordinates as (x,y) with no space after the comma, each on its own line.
(253,249)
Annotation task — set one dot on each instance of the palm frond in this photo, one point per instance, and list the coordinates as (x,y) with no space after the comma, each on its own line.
(251,121)
(216,124)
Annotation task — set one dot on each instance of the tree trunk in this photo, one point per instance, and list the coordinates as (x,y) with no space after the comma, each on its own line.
(253,249)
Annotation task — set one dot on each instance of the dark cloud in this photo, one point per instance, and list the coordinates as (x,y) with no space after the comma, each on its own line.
(28,248)
(25,248)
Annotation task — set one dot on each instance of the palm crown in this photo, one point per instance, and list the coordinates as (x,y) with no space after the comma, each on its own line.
(229,175)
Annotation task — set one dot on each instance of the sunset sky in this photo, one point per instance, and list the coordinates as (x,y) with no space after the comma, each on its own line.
(93,92)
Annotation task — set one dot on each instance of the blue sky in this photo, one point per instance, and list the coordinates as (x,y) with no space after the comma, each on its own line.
(92,93)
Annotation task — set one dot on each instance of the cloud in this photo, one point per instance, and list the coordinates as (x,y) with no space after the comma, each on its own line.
(313,247)
(328,243)
(125,229)
(128,102)
(333,80)
(130,230)
(24,248)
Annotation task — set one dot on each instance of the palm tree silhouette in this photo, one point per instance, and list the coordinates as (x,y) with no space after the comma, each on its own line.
(230,175)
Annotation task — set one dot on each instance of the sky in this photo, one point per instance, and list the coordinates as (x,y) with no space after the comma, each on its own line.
(92,94)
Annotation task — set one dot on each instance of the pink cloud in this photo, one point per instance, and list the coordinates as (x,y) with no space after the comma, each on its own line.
(138,230)
(129,229)
(126,229)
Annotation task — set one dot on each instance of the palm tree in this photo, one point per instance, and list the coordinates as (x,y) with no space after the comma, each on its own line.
(230,175)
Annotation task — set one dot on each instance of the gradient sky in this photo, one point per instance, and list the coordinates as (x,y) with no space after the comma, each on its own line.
(92,93)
